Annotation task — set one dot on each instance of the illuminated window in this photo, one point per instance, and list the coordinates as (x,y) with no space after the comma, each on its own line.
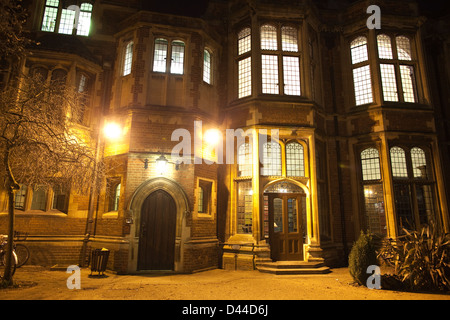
(359,50)
(289,39)
(160,56)
(244,63)
(176,63)
(284,62)
(408,81)
(271,159)
(291,75)
(84,21)
(75,19)
(176,66)
(66,23)
(370,163)
(419,163)
(128,59)
(363,85)
(295,162)
(398,67)
(388,81)
(245,77)
(244,41)
(361,73)
(375,216)
(207,66)
(270,74)
(245,160)
(398,163)
(403,48)
(269,38)
(245,207)
(384,47)
(50,14)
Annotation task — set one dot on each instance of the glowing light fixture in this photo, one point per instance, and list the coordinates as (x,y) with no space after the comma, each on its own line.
(161,164)
(212,137)
(112,130)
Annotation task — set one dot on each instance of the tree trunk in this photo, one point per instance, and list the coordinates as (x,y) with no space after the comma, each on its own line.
(11,186)
(9,247)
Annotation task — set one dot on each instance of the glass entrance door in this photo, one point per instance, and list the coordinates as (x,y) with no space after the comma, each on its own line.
(285,226)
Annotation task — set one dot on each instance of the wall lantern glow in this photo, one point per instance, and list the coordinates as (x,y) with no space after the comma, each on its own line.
(161,164)
(212,137)
(112,130)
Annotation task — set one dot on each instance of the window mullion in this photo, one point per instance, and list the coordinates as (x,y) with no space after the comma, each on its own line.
(58,17)
(399,82)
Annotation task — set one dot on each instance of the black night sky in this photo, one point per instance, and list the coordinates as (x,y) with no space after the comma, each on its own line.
(196,8)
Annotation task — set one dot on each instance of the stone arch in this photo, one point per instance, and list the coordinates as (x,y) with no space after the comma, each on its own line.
(134,208)
(291,181)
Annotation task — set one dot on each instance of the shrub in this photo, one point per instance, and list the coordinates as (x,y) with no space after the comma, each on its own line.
(362,255)
(421,260)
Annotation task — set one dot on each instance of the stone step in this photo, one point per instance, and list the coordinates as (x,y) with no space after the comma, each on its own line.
(293,267)
(321,270)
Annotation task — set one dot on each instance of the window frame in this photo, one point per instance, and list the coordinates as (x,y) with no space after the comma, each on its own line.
(48,194)
(414,184)
(402,95)
(372,193)
(205,197)
(244,62)
(171,43)
(280,54)
(128,57)
(58,18)
(363,95)
(208,69)
(112,200)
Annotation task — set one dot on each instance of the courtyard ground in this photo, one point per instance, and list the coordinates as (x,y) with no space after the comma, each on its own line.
(39,283)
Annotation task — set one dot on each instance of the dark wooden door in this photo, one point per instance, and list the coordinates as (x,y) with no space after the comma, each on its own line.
(157,232)
(285,227)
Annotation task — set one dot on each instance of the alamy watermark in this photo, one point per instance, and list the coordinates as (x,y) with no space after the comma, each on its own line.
(223,149)
(374,21)
(374,280)
(74,280)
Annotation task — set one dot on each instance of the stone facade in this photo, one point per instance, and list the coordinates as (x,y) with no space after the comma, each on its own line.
(155,71)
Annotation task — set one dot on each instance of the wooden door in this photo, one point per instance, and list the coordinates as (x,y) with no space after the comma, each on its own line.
(285,227)
(157,232)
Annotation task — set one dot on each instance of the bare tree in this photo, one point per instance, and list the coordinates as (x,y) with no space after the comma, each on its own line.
(40,144)
(12,41)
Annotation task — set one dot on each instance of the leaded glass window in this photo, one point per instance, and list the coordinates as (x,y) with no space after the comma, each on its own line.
(370,163)
(295,162)
(271,159)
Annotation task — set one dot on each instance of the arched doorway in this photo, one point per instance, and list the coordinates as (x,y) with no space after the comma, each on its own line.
(285,220)
(157,232)
(139,202)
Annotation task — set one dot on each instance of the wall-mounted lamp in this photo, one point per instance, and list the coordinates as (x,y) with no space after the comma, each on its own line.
(161,164)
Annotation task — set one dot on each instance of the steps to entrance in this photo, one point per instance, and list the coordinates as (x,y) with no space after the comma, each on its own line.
(293,267)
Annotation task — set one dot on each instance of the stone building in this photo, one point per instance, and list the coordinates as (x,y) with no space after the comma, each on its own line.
(251,131)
